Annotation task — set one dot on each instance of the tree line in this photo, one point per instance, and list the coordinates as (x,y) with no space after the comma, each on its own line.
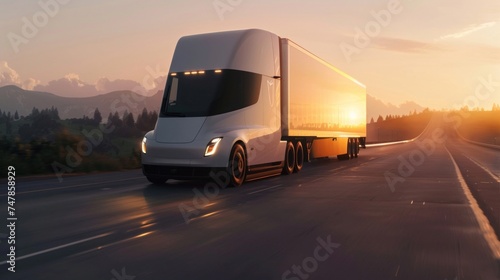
(33,143)
(395,117)
(380,118)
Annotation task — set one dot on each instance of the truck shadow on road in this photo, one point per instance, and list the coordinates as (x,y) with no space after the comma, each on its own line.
(178,191)
(182,201)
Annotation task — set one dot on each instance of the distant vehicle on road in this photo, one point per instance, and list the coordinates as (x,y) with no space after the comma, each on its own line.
(251,104)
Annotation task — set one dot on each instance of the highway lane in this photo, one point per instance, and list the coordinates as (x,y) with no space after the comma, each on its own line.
(483,157)
(397,212)
(480,172)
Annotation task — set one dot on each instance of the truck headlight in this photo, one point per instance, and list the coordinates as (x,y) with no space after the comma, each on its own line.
(212,146)
(143,145)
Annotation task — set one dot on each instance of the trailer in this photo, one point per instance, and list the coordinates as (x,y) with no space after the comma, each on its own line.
(248,104)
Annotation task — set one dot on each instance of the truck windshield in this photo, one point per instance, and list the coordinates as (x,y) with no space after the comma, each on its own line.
(209,92)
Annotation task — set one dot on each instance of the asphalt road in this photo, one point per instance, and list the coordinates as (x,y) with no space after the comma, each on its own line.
(397,212)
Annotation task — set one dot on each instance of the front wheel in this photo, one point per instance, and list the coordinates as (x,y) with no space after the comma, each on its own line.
(237,167)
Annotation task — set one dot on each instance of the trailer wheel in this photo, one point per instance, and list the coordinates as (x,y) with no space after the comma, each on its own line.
(299,157)
(351,148)
(356,147)
(237,167)
(289,159)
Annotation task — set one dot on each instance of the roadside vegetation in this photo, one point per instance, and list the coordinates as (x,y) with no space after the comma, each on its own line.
(481,126)
(42,143)
(397,127)
(478,125)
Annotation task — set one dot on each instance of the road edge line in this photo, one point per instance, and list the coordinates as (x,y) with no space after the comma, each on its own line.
(484,168)
(58,247)
(484,224)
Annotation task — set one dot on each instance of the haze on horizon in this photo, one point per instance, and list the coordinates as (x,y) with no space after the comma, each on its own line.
(439,54)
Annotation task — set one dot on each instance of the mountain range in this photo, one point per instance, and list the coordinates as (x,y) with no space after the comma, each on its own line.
(376,107)
(13,98)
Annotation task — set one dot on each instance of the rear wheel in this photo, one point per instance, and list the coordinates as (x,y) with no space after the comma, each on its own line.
(351,147)
(237,165)
(299,157)
(356,147)
(289,159)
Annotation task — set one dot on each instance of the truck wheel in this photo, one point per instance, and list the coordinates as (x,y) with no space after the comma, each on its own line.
(299,156)
(157,180)
(356,148)
(237,165)
(350,148)
(289,159)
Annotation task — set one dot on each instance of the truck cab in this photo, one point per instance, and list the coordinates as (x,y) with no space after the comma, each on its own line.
(220,111)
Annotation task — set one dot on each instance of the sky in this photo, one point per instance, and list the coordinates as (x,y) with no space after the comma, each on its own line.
(441,54)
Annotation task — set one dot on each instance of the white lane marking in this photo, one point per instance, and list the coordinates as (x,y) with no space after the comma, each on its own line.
(485,169)
(317,179)
(75,186)
(273,187)
(483,222)
(389,143)
(58,247)
(335,169)
(205,215)
(112,244)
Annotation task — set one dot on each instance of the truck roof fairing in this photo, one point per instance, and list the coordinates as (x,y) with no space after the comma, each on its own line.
(249,50)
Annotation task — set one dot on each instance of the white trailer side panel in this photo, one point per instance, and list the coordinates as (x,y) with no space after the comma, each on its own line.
(317,98)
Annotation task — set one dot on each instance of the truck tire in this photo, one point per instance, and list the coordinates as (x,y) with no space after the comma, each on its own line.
(237,167)
(356,147)
(299,157)
(289,164)
(351,147)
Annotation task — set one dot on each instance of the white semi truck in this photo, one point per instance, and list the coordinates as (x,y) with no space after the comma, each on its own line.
(251,104)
